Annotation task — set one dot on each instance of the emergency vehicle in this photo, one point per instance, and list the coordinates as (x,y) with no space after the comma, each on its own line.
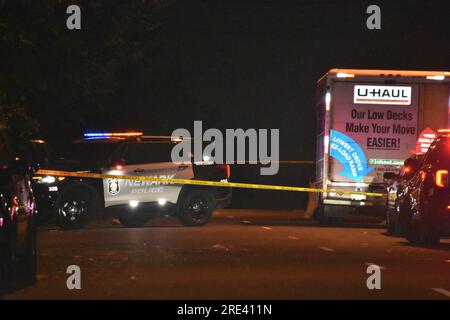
(74,200)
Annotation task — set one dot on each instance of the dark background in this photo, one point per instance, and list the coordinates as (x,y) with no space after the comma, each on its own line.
(159,65)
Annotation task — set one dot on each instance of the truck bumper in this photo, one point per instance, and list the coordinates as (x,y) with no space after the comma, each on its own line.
(342,208)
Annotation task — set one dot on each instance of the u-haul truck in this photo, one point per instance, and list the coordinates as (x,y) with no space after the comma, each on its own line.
(368,123)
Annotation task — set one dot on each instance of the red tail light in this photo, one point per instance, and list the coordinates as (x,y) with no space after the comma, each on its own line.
(441,178)
(226,168)
(1,222)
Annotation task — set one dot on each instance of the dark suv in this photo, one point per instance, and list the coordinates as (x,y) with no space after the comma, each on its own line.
(396,186)
(17,217)
(425,203)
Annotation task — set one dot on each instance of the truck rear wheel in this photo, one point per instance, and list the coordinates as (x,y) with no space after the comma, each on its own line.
(196,207)
(325,220)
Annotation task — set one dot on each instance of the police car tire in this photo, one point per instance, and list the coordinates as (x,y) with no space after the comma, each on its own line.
(189,199)
(81,196)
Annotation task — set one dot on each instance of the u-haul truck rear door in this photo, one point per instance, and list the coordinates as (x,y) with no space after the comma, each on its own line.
(373,129)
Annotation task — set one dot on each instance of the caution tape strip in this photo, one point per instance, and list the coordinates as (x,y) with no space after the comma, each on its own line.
(89,175)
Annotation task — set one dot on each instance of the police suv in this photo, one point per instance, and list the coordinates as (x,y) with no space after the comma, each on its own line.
(424,205)
(133,202)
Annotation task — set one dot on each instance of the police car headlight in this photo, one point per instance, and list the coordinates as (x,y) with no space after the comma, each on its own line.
(45,179)
(133,203)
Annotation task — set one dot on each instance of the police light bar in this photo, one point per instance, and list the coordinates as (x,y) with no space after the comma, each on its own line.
(112,134)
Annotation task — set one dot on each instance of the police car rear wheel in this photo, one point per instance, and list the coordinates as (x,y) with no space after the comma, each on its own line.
(196,208)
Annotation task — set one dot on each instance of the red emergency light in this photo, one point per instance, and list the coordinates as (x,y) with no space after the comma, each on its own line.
(424,141)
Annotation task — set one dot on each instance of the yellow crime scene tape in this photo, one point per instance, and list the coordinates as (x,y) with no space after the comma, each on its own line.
(88,175)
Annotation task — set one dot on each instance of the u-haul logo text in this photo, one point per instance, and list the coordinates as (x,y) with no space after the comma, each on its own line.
(364,94)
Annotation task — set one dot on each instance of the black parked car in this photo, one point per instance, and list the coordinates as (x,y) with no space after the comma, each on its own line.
(17,217)
(424,205)
(396,186)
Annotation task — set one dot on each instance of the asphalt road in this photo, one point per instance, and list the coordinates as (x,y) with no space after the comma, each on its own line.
(241,254)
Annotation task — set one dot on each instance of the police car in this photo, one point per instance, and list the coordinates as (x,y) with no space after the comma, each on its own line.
(133,202)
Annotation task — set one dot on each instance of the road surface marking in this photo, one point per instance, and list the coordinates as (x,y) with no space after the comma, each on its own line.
(246,221)
(230,217)
(267,228)
(326,249)
(442,291)
(447,261)
(293,238)
(374,264)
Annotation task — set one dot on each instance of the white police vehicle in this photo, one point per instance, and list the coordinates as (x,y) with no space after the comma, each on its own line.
(133,202)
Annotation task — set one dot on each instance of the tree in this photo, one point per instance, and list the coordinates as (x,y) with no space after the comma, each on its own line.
(61,77)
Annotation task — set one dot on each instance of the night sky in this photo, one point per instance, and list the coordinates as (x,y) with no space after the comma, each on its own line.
(241,64)
(255,65)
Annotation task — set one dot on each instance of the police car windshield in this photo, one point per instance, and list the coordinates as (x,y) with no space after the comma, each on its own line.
(91,153)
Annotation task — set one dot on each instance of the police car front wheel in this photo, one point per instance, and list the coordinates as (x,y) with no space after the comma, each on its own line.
(74,208)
